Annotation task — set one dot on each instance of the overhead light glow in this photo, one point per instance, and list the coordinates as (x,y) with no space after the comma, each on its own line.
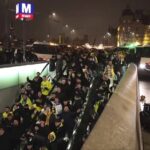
(142,66)
(88,46)
(53,44)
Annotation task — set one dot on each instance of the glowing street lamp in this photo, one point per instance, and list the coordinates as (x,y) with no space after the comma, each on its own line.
(54,14)
(66,26)
(73,31)
(109,34)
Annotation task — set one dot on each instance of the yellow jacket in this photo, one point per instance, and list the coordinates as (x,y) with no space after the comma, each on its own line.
(37,108)
(46,86)
(96,106)
(4,115)
(26,102)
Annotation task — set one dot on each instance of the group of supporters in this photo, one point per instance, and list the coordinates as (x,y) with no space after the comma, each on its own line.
(16,56)
(43,117)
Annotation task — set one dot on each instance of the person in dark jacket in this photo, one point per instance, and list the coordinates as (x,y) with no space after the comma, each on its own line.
(36,82)
(69,121)
(40,99)
(7,122)
(29,145)
(16,133)
(60,134)
(4,139)
(59,66)
(52,65)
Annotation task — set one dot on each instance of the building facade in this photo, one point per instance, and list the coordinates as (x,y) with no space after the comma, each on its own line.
(133,28)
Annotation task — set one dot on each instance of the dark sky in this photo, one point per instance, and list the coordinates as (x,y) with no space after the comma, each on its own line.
(87,16)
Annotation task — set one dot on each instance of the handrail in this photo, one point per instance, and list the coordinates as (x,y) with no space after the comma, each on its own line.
(20,64)
(54,85)
(80,128)
(44,68)
(82,123)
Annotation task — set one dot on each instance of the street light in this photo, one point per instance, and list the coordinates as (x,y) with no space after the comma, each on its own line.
(107,37)
(54,14)
(108,34)
(66,26)
(52,18)
(73,34)
(73,31)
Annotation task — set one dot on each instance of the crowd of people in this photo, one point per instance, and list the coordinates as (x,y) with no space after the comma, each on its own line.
(46,111)
(16,56)
(145,113)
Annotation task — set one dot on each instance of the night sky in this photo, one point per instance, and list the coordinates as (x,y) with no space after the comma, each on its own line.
(90,17)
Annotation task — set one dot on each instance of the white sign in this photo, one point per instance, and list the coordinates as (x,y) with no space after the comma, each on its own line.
(26,8)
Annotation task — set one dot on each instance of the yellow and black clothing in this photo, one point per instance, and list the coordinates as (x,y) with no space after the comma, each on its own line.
(24,102)
(46,86)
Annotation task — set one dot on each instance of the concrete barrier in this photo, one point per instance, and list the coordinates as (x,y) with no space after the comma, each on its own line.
(118,126)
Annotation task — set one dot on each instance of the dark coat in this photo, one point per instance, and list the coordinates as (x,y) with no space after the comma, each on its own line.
(5,142)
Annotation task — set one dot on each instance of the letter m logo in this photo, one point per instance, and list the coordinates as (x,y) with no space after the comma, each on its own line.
(26,8)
